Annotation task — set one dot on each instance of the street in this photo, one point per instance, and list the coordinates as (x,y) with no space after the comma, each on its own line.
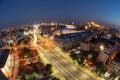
(65,67)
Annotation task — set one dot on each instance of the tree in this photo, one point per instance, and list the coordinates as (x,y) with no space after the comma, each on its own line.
(48,68)
(26,52)
(113,75)
(100,68)
(55,78)
(24,40)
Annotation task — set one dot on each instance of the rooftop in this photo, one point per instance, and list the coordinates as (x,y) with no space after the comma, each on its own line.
(67,32)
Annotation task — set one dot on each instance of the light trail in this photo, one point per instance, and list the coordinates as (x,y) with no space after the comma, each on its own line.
(35,40)
(35,34)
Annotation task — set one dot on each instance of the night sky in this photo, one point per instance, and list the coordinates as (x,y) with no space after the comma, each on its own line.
(17,12)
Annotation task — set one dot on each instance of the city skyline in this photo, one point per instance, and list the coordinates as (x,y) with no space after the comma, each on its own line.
(60,51)
(28,11)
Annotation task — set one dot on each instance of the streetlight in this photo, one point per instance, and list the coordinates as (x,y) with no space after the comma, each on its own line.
(86,27)
(101,47)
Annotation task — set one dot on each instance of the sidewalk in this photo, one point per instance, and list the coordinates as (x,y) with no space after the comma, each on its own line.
(15,68)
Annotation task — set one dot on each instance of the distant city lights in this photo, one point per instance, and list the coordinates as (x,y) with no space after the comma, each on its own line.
(36,26)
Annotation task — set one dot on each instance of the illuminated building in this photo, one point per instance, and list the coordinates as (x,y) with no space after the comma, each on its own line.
(105,52)
(67,39)
(70,26)
(114,62)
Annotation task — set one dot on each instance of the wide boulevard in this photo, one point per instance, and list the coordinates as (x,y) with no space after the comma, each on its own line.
(68,69)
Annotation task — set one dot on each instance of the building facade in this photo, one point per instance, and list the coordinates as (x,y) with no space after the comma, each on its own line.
(70,39)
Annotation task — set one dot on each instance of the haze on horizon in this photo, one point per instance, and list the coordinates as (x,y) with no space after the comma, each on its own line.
(18,12)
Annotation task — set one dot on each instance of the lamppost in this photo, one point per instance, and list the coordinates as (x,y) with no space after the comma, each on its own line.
(101,47)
